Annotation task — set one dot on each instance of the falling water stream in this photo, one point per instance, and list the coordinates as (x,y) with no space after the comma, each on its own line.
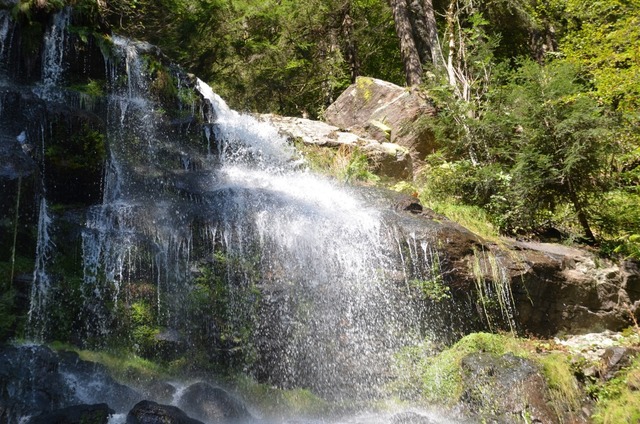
(317,282)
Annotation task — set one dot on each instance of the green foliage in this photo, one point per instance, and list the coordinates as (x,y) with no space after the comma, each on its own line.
(26,8)
(434,290)
(563,140)
(541,140)
(597,38)
(83,149)
(618,217)
(123,366)
(357,168)
(93,88)
(619,398)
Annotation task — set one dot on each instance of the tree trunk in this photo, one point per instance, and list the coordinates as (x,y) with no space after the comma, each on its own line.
(420,30)
(350,47)
(434,43)
(581,214)
(408,49)
(453,82)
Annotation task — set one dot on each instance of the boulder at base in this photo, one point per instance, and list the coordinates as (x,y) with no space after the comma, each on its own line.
(148,412)
(502,389)
(212,404)
(386,112)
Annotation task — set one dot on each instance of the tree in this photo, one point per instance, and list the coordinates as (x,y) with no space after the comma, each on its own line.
(562,141)
(408,47)
(418,35)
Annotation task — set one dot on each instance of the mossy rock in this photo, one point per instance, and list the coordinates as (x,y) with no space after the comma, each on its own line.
(502,379)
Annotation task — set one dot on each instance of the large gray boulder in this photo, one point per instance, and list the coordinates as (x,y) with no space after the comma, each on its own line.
(385,159)
(503,389)
(562,290)
(386,112)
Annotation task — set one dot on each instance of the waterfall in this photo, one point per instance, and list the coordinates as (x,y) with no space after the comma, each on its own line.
(52,72)
(41,282)
(53,63)
(300,263)
(209,238)
(5,29)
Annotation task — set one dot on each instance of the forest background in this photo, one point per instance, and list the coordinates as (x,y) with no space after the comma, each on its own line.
(538,123)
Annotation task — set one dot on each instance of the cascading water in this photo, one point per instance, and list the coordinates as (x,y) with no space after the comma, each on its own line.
(321,257)
(52,71)
(53,64)
(304,261)
(213,239)
(5,29)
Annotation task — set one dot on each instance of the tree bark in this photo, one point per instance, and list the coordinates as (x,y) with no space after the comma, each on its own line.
(350,47)
(408,49)
(434,43)
(452,47)
(420,30)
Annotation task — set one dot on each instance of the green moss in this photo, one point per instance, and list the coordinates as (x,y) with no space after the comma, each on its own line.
(163,84)
(274,402)
(442,375)
(123,366)
(564,392)
(363,85)
(93,88)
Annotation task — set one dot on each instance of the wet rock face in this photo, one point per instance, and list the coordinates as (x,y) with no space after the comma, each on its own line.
(212,404)
(77,414)
(148,412)
(35,380)
(558,289)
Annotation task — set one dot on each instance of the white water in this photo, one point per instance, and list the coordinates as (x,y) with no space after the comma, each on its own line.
(53,59)
(5,25)
(246,138)
(41,281)
(331,312)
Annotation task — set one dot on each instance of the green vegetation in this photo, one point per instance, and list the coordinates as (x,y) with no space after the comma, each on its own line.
(619,398)
(564,392)
(273,402)
(441,377)
(123,366)
(347,164)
